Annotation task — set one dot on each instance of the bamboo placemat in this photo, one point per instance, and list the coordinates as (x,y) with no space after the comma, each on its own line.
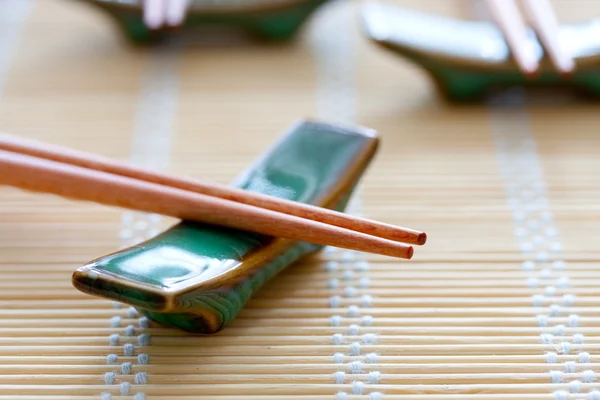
(502,302)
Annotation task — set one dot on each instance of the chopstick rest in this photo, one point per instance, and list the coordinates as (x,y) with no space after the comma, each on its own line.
(469,59)
(266,19)
(197,277)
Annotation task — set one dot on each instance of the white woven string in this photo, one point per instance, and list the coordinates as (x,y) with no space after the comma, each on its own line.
(538,238)
(13,14)
(151,148)
(335,51)
(332,42)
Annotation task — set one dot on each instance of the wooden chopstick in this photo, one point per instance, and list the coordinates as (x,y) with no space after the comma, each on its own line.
(543,19)
(99,163)
(43,175)
(509,20)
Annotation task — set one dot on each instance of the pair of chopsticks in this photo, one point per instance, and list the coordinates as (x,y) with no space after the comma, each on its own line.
(164,13)
(544,22)
(41,167)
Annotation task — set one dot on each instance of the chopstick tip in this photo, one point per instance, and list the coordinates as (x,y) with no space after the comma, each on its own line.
(531,70)
(422,239)
(567,68)
(410,252)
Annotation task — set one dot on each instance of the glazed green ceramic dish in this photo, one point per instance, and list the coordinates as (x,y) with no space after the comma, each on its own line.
(267,19)
(198,277)
(469,59)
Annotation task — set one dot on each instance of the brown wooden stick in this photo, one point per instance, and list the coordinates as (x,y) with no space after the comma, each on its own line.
(99,163)
(43,175)
(544,21)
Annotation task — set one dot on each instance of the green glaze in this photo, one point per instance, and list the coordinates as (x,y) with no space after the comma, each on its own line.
(469,59)
(198,277)
(270,20)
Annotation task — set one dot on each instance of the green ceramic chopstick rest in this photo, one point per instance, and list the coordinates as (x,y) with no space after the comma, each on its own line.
(267,19)
(470,59)
(198,277)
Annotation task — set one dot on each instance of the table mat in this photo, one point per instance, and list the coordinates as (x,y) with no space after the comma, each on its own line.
(500,304)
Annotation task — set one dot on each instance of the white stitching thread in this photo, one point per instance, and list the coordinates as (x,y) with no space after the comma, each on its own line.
(342,396)
(151,143)
(358,387)
(556,376)
(551,357)
(570,367)
(559,330)
(575,386)
(132,312)
(373,377)
(126,368)
(371,358)
(537,300)
(140,378)
(339,377)
(354,349)
(113,339)
(584,357)
(12,17)
(334,51)
(564,348)
(337,339)
(353,311)
(561,395)
(367,320)
(335,320)
(355,367)
(538,238)
(588,376)
(144,323)
(331,266)
(593,394)
(338,358)
(369,338)
(128,349)
(130,330)
(111,359)
(143,340)
(125,388)
(350,291)
(348,275)
(115,321)
(109,377)
(353,330)
(142,359)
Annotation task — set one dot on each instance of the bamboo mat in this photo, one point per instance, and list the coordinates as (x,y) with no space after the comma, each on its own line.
(502,302)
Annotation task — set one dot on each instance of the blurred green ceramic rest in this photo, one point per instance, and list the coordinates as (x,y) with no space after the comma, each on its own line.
(267,19)
(198,277)
(469,59)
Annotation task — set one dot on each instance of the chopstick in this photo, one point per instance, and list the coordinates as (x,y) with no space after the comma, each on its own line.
(544,21)
(164,13)
(508,17)
(39,174)
(42,175)
(509,20)
(92,161)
